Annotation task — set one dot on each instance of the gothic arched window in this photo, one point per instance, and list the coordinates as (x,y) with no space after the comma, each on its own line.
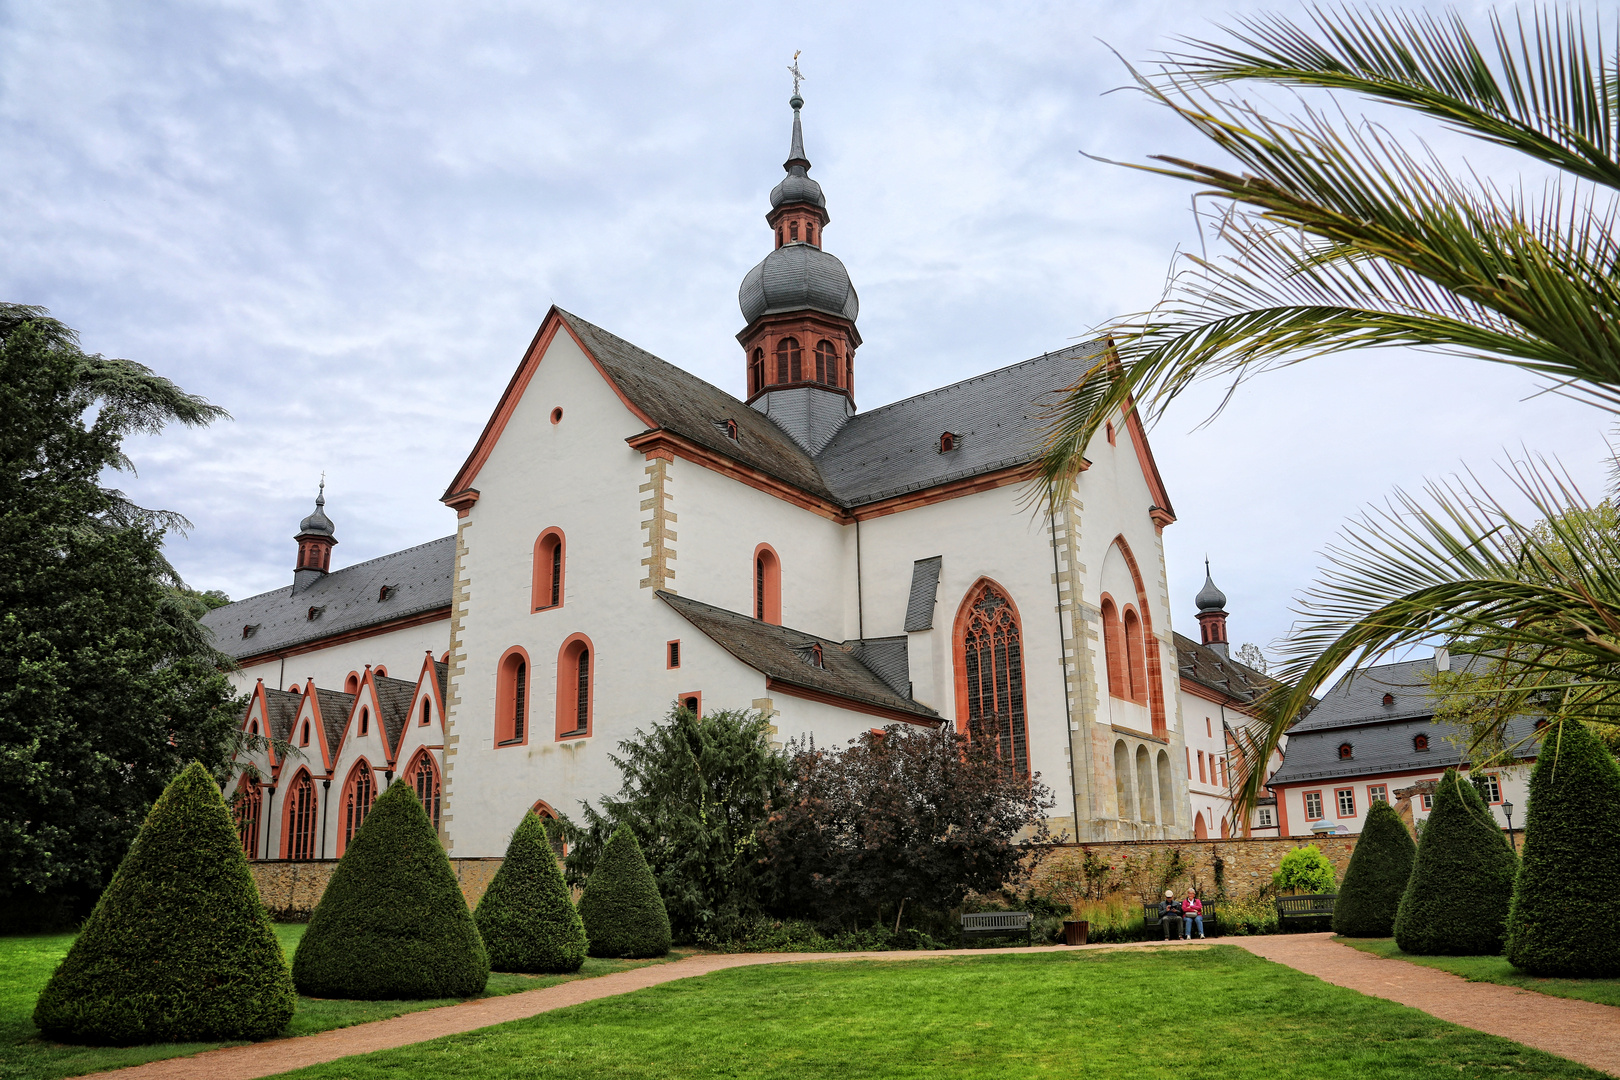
(300,814)
(826,363)
(991,673)
(789,360)
(358,795)
(249,800)
(423,776)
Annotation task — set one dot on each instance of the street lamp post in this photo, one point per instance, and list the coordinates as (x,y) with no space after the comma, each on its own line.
(1507,808)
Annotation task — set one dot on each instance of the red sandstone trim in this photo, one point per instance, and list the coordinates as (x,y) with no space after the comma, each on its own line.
(316,644)
(869,708)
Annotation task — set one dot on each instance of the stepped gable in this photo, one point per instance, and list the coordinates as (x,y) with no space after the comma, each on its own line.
(780,654)
(419,579)
(997,419)
(394,700)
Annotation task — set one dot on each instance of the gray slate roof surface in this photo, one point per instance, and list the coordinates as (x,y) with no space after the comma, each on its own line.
(335,707)
(394,698)
(420,576)
(775,651)
(1381,736)
(441,672)
(280,709)
(888,658)
(1201,664)
(924,593)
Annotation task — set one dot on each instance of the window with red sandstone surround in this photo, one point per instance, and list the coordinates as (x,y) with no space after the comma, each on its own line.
(789,360)
(249,803)
(575,675)
(672,659)
(300,814)
(512,698)
(989,647)
(423,776)
(767,585)
(550,565)
(1201,778)
(1347,801)
(358,795)
(1313,806)
(1377,793)
(826,363)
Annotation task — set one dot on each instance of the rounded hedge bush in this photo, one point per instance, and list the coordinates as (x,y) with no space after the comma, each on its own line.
(392,923)
(1304,870)
(1560,924)
(623,914)
(179,947)
(1456,901)
(526,917)
(1376,877)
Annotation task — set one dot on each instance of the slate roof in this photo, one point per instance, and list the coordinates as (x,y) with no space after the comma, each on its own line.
(1382,736)
(441,672)
(335,707)
(394,699)
(777,652)
(420,577)
(924,593)
(998,418)
(280,710)
(888,658)
(1201,664)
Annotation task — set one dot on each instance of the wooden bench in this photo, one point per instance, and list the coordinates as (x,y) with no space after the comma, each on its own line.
(1150,918)
(989,923)
(1300,908)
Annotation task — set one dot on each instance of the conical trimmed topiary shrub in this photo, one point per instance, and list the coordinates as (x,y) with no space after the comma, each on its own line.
(1560,923)
(179,948)
(1373,883)
(621,908)
(526,917)
(1456,901)
(392,923)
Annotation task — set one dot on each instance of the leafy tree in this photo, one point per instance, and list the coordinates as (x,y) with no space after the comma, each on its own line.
(1456,901)
(108,685)
(1560,923)
(621,909)
(179,948)
(392,922)
(526,917)
(1304,870)
(1376,877)
(696,791)
(911,815)
(1331,236)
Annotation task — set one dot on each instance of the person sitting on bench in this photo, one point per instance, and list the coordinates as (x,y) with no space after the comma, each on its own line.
(1170,916)
(1192,911)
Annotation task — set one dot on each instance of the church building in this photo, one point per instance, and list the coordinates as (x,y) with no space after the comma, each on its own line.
(628,536)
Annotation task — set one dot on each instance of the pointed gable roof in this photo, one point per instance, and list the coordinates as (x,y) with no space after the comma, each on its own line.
(394,700)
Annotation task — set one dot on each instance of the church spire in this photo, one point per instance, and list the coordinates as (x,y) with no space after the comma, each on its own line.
(1212,613)
(800,308)
(316,538)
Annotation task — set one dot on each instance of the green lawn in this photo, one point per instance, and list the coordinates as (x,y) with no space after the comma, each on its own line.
(1219,1013)
(27,962)
(1495,969)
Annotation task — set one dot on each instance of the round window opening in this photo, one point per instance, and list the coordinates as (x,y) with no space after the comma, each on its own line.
(556,415)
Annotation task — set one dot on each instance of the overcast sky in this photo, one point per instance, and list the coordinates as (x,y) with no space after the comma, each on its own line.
(343,223)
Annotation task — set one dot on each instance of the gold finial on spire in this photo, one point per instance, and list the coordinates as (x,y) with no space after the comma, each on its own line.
(798,76)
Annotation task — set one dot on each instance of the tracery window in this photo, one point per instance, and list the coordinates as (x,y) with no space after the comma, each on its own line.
(993,670)
(249,802)
(789,360)
(300,814)
(423,776)
(358,795)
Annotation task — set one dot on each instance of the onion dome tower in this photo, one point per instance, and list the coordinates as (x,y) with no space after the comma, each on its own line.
(800,308)
(1212,614)
(316,538)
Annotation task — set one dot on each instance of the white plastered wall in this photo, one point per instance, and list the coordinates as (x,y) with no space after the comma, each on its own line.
(400,651)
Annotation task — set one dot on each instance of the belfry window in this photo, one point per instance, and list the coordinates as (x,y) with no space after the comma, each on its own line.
(809,233)
(992,661)
(789,360)
(826,363)
(793,231)
(756,371)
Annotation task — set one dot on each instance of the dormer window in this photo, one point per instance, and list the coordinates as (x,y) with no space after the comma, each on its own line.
(385,592)
(731,430)
(1346,751)
(1420,742)
(1389,699)
(816,657)
(249,630)
(947,442)
(315,612)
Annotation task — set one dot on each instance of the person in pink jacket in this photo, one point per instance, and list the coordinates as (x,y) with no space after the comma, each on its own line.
(1192,910)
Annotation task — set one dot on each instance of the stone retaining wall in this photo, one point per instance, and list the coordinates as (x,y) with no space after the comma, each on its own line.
(291,889)
(1246,864)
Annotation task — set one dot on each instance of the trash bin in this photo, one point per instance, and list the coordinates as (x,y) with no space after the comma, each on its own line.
(1074,933)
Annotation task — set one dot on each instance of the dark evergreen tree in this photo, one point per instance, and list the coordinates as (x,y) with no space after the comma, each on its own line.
(1456,901)
(1376,877)
(621,908)
(179,948)
(393,922)
(1561,923)
(526,917)
(108,686)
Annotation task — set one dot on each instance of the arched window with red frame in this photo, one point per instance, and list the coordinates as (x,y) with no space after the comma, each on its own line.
(248,805)
(299,814)
(756,372)
(1135,656)
(423,776)
(990,673)
(550,564)
(576,685)
(553,826)
(512,693)
(351,684)
(826,363)
(767,585)
(359,793)
(1119,682)
(789,360)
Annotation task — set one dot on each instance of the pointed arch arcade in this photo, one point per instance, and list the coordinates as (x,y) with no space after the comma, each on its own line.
(989,643)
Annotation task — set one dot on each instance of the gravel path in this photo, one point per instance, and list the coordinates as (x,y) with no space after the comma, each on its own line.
(1578,1030)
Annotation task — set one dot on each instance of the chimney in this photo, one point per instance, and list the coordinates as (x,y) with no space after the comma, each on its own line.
(1442,658)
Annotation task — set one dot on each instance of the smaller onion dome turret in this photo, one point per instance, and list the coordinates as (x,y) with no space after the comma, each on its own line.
(316,538)
(1209,598)
(318,524)
(796,186)
(1212,613)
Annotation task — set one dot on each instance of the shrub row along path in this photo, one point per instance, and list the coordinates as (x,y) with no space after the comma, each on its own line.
(1578,1030)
